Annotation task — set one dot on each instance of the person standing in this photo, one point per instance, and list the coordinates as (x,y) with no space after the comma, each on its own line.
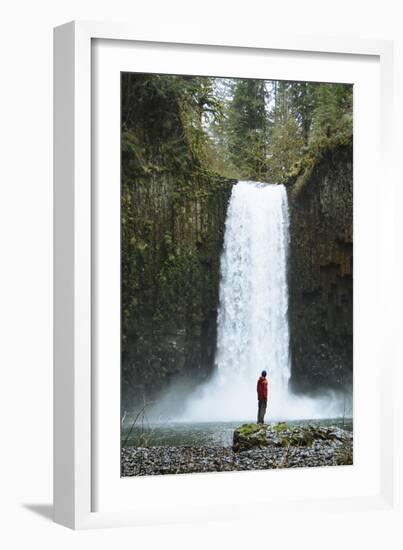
(262,387)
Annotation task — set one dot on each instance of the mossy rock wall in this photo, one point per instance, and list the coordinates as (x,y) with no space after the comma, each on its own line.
(172,237)
(320,273)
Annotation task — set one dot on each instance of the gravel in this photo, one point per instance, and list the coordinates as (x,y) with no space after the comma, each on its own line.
(140,461)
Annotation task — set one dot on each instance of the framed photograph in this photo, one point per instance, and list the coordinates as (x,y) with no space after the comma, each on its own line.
(212,335)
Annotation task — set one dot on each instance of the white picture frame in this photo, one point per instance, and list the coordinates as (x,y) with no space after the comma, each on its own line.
(77,472)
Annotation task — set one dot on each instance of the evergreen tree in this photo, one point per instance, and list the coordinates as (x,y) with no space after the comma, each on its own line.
(247,127)
(286,138)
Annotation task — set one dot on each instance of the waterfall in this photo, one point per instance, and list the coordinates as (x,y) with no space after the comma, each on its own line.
(252,319)
(252,323)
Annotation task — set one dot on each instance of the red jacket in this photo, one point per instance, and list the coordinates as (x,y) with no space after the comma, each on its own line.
(262,385)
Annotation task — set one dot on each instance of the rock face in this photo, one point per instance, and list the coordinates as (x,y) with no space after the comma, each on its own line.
(320,274)
(171,244)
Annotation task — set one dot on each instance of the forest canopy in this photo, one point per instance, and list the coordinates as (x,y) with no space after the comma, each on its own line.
(238,128)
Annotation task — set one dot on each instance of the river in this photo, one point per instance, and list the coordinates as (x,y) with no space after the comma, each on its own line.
(201,433)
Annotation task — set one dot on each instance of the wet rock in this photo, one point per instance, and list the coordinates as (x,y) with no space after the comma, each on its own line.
(250,436)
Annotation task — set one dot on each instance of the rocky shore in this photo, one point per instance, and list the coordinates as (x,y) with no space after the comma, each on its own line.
(254,448)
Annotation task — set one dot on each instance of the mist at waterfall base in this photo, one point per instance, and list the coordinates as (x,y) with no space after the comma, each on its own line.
(252,323)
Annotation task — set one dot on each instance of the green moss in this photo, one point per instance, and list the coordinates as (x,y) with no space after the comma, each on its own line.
(249,429)
(281,426)
(303,178)
(249,435)
(302,171)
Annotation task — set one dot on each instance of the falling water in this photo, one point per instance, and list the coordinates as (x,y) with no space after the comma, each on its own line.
(252,324)
(252,319)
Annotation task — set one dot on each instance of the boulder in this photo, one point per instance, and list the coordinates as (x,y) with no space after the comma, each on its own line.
(249,436)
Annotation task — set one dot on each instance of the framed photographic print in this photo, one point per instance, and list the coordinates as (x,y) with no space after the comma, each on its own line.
(211,331)
(225,281)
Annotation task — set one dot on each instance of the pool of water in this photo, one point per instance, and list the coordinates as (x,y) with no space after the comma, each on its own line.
(201,433)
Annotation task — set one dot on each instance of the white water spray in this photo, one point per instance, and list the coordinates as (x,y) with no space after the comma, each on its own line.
(252,324)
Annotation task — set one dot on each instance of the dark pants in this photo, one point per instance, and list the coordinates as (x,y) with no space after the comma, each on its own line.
(261,410)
